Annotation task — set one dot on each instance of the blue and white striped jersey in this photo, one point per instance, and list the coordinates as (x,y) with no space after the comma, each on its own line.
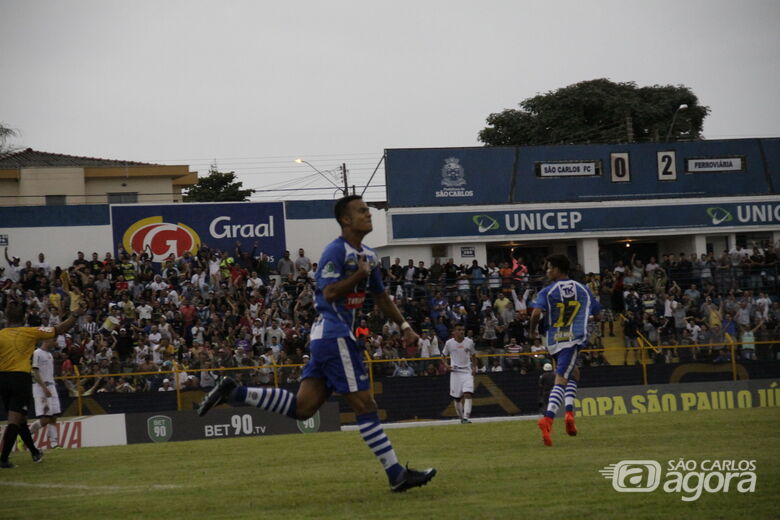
(339,261)
(567,306)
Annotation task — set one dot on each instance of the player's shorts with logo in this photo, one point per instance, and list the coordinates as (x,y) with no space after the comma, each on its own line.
(567,359)
(340,362)
(41,401)
(16,391)
(461,382)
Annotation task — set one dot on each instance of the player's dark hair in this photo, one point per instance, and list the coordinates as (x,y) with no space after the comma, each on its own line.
(14,312)
(560,262)
(341,206)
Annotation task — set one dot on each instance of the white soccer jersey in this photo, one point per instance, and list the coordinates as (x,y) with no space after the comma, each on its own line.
(459,353)
(44,362)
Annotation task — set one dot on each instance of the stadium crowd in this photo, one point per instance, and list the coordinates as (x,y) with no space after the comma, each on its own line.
(235,308)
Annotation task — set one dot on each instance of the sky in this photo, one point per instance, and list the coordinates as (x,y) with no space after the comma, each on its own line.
(252,85)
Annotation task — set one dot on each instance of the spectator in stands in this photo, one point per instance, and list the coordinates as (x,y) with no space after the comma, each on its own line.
(403,369)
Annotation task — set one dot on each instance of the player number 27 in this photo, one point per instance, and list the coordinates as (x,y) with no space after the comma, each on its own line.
(566,313)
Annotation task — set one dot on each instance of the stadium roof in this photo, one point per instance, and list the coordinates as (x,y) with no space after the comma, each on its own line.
(31,158)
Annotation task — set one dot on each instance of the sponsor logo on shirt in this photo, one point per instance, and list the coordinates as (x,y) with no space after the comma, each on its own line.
(355,300)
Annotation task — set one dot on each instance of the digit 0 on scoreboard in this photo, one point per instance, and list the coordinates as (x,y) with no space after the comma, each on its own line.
(621,172)
(667,166)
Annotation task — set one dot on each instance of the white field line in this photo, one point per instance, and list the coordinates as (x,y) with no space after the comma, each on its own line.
(85,487)
(445,422)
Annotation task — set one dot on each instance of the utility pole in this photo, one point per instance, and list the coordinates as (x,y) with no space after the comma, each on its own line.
(344,176)
(629,128)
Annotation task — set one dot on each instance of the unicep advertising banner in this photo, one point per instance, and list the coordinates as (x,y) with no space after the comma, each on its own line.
(220,423)
(607,218)
(175,228)
(721,395)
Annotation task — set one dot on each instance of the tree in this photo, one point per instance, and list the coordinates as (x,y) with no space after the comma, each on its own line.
(217,187)
(599,111)
(6,133)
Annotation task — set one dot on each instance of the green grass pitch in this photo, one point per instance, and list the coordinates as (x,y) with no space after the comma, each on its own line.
(486,470)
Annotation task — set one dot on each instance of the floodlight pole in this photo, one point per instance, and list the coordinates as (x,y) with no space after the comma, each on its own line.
(674,118)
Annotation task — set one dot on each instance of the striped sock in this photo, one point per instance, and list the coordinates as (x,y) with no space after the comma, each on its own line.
(374,435)
(275,400)
(571,393)
(556,397)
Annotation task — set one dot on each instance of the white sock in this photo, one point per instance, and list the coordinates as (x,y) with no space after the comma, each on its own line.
(466,408)
(34,427)
(51,430)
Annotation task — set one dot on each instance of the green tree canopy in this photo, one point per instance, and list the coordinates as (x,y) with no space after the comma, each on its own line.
(599,111)
(217,187)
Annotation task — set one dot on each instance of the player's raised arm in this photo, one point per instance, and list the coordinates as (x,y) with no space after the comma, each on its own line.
(65,326)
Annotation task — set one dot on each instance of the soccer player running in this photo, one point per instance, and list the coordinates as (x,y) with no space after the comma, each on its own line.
(346,270)
(460,350)
(17,344)
(567,306)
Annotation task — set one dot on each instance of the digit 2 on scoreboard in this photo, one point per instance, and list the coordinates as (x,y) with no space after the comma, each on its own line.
(667,166)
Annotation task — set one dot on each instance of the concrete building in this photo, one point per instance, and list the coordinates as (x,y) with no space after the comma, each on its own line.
(33,178)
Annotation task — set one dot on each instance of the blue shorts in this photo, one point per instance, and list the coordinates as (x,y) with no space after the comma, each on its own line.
(567,359)
(340,362)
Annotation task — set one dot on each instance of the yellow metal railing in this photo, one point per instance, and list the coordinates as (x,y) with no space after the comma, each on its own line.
(643,342)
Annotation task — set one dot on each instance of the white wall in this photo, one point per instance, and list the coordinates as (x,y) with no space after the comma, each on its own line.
(51,181)
(59,244)
(314,235)
(99,188)
(588,255)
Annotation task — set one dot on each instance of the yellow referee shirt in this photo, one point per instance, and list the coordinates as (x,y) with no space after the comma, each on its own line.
(17,345)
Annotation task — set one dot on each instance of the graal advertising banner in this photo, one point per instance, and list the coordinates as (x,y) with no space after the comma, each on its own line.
(167,229)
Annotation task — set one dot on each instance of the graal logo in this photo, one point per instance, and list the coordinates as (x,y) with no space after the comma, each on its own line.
(453,180)
(633,476)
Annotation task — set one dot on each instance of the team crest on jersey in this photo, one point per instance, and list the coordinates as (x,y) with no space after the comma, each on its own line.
(567,290)
(329,271)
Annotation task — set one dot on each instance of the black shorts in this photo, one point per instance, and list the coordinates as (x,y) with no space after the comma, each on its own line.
(16,391)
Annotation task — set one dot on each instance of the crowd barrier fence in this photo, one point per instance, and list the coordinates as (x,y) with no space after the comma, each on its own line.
(175,374)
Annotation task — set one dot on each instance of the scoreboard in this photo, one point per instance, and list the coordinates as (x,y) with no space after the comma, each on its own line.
(479,176)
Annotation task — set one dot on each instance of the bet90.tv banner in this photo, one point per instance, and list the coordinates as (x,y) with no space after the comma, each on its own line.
(166,229)
(224,422)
